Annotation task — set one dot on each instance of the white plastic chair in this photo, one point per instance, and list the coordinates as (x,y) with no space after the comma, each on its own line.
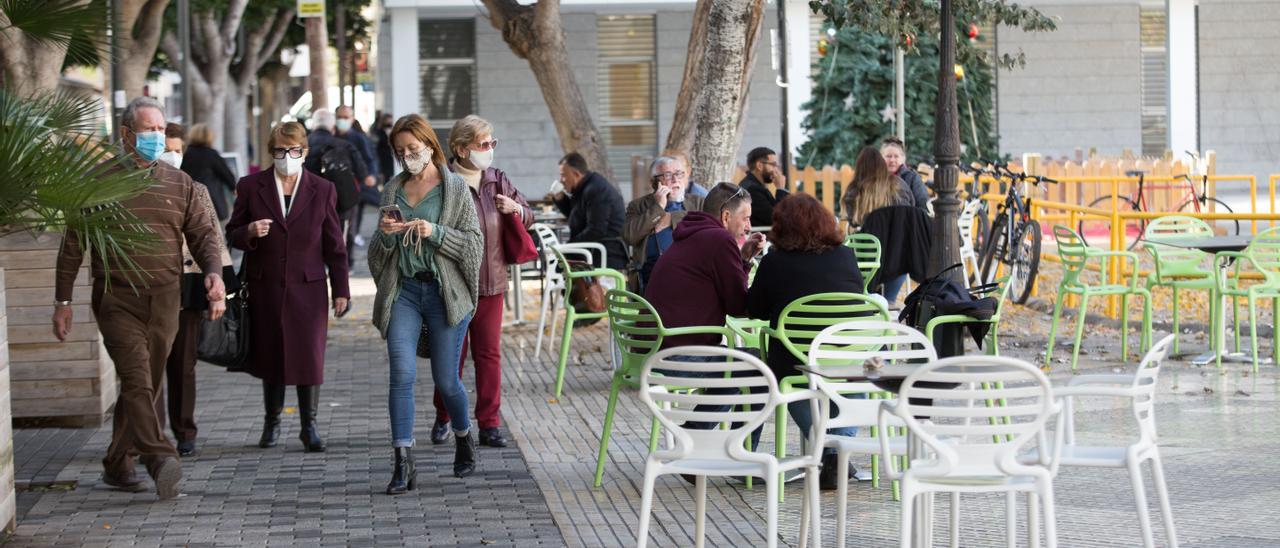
(855,342)
(968,256)
(553,289)
(975,447)
(721,451)
(1140,388)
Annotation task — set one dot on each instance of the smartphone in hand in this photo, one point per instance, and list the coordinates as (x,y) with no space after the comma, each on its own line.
(393,212)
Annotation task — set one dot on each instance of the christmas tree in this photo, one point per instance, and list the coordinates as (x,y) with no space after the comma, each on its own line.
(853,91)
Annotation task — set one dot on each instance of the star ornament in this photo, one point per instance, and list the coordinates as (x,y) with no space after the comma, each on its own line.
(888,113)
(848,102)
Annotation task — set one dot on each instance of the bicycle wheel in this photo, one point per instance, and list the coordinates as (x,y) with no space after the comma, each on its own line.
(1097,232)
(1024,260)
(1231,227)
(993,249)
(982,229)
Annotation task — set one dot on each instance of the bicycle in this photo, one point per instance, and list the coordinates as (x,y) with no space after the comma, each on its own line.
(1015,237)
(1192,201)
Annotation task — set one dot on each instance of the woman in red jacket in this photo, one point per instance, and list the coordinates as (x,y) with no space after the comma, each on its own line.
(286,221)
(472,145)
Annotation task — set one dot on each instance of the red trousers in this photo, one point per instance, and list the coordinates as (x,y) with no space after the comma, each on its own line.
(485,338)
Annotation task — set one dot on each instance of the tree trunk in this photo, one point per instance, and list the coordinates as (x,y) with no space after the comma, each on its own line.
(317,44)
(236,124)
(30,67)
(536,34)
(141,23)
(713,96)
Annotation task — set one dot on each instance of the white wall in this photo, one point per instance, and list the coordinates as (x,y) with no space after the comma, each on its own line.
(1081,86)
(1240,85)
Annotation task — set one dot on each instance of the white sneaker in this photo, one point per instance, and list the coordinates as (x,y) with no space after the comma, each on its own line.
(360,241)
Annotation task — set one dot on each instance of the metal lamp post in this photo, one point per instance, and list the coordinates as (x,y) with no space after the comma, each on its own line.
(946,150)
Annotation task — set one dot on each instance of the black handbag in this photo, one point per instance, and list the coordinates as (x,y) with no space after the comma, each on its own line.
(225,341)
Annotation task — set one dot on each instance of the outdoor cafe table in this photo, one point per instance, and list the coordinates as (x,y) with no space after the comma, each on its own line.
(1213,245)
(889,378)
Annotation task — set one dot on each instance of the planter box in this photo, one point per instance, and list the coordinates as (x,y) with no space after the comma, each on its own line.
(70,383)
(8,497)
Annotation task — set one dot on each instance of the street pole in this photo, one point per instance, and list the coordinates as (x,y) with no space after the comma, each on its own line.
(184,39)
(946,150)
(117,94)
(784,155)
(340,41)
(900,93)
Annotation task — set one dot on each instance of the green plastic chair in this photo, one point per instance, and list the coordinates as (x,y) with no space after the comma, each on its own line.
(992,342)
(1180,268)
(866,248)
(799,323)
(1075,256)
(1263,255)
(572,315)
(638,333)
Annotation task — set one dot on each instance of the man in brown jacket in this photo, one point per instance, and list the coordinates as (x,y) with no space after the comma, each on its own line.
(137,309)
(651,218)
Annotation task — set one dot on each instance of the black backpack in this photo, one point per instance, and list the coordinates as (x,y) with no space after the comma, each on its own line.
(335,165)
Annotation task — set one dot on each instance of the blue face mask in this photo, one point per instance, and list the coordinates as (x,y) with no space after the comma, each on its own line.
(150,144)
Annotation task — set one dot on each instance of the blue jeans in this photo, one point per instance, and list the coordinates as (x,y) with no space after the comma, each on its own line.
(421,302)
(893,287)
(803,416)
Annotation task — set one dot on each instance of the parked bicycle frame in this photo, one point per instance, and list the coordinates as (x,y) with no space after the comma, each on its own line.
(1015,237)
(1093,230)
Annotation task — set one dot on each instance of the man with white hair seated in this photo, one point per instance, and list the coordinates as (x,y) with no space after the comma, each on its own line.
(652,217)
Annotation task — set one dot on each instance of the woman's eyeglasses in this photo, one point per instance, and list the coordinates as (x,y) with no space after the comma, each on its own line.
(484,146)
(293,152)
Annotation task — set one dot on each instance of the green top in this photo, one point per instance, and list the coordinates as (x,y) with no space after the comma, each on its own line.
(428,209)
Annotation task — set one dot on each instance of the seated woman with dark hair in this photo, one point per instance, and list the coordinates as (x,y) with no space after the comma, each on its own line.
(808,257)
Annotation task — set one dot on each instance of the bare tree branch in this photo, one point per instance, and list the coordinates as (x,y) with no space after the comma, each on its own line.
(281,27)
(231,20)
(214,46)
(146,31)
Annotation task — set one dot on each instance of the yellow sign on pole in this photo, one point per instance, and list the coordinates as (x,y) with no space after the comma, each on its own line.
(310,8)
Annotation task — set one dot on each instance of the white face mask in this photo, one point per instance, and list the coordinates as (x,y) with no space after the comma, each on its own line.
(172,157)
(482,160)
(342,124)
(416,162)
(289,166)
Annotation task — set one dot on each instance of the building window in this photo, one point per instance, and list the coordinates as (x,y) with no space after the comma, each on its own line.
(625,71)
(447,72)
(1155,80)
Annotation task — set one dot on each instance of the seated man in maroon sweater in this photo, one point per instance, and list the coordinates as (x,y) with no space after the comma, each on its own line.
(702,277)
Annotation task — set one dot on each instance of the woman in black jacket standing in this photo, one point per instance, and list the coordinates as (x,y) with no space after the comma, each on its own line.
(206,166)
(381,136)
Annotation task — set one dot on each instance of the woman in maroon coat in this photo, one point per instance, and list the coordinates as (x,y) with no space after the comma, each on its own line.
(285,220)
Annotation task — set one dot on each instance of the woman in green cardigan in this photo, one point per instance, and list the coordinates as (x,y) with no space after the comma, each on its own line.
(426,265)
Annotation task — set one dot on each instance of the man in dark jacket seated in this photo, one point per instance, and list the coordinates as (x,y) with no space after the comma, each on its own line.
(766,184)
(594,208)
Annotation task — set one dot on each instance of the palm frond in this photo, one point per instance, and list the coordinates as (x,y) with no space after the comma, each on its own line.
(56,22)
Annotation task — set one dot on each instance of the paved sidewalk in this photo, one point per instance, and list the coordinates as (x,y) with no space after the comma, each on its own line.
(235,494)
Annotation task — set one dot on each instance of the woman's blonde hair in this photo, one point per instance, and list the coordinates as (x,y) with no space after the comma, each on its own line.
(200,135)
(286,135)
(873,187)
(466,130)
(418,127)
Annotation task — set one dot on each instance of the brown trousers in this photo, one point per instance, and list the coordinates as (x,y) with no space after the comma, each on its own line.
(180,375)
(138,332)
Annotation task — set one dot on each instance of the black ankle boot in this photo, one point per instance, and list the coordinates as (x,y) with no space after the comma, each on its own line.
(464,460)
(273,402)
(404,477)
(308,406)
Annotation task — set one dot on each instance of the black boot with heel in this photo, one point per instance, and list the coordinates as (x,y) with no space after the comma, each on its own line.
(464,459)
(404,477)
(273,402)
(308,407)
